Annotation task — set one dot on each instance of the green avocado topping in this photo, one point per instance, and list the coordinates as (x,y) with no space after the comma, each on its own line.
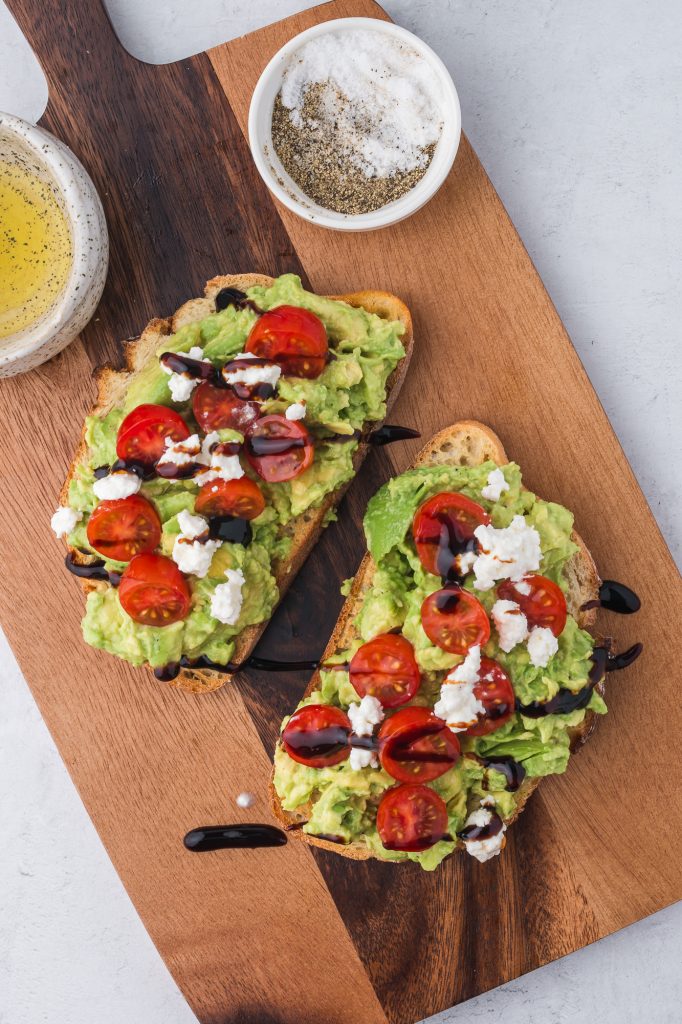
(344,801)
(348,394)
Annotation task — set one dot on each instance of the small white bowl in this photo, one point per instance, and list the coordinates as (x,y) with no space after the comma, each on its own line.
(289,193)
(49,159)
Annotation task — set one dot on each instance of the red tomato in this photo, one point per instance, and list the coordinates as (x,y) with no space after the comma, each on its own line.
(278,448)
(454,620)
(545,605)
(291,337)
(142,433)
(385,668)
(153,591)
(443,527)
(124,527)
(417,746)
(496,694)
(317,735)
(411,818)
(219,408)
(242,498)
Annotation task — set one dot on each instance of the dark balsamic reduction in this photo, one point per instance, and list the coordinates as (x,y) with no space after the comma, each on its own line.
(615,597)
(92,571)
(233,837)
(125,466)
(311,743)
(626,658)
(566,701)
(178,362)
(492,828)
(390,433)
(234,297)
(230,528)
(513,771)
(166,673)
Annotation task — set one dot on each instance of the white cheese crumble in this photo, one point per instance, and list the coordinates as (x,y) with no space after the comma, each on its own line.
(484,849)
(365,715)
(116,485)
(522,588)
(221,467)
(246,800)
(181,385)
(509,553)
(64,520)
(465,562)
(470,669)
(458,706)
(510,622)
(296,411)
(227,598)
(542,645)
(194,557)
(181,453)
(268,373)
(360,759)
(496,484)
(191,526)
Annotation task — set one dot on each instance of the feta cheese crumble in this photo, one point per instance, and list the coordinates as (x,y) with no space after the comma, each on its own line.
(509,553)
(296,411)
(227,598)
(470,669)
(192,526)
(64,520)
(181,385)
(465,562)
(458,706)
(181,453)
(496,484)
(116,485)
(484,849)
(191,554)
(268,373)
(360,759)
(365,715)
(511,624)
(221,467)
(542,645)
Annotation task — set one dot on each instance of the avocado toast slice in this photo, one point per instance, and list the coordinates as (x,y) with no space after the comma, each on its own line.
(335,806)
(370,345)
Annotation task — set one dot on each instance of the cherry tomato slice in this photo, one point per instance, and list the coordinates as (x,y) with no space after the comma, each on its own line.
(496,694)
(278,449)
(387,669)
(219,408)
(417,746)
(124,527)
(153,591)
(241,498)
(443,528)
(317,735)
(454,620)
(291,337)
(142,433)
(544,604)
(411,818)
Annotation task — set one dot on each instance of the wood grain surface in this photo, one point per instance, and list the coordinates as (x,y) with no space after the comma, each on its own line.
(287,935)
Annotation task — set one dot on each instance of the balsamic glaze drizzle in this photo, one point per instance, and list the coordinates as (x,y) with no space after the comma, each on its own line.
(166,673)
(492,828)
(615,597)
(566,700)
(234,297)
(233,837)
(513,771)
(92,571)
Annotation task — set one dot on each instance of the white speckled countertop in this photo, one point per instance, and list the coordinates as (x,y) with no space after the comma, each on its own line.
(574,110)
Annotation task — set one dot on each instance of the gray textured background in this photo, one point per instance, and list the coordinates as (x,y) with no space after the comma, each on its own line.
(574,109)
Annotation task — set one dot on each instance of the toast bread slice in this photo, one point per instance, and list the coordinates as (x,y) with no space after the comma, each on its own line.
(112,385)
(466,443)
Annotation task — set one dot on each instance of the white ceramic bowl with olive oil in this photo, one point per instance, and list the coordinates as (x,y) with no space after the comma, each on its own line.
(54,247)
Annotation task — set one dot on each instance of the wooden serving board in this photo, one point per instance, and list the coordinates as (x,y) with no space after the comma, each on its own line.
(291,935)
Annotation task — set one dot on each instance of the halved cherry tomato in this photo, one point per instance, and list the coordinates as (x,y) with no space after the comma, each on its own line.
(219,408)
(142,433)
(278,448)
(454,620)
(385,668)
(242,498)
(291,337)
(124,527)
(153,591)
(496,694)
(417,746)
(544,605)
(411,818)
(317,735)
(443,527)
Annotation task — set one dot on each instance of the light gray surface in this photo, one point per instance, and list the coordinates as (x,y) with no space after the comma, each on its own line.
(574,110)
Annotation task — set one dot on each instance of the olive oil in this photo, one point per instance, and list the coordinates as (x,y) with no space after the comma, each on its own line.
(35,248)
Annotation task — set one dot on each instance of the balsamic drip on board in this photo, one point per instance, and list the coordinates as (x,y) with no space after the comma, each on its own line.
(615,597)
(566,700)
(233,837)
(166,673)
(234,297)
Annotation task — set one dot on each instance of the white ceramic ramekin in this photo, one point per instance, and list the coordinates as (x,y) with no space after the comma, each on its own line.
(288,192)
(51,160)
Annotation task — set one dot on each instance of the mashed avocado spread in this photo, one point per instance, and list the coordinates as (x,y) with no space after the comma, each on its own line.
(344,801)
(343,399)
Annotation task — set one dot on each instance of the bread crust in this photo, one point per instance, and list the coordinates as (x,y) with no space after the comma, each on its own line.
(112,385)
(464,443)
